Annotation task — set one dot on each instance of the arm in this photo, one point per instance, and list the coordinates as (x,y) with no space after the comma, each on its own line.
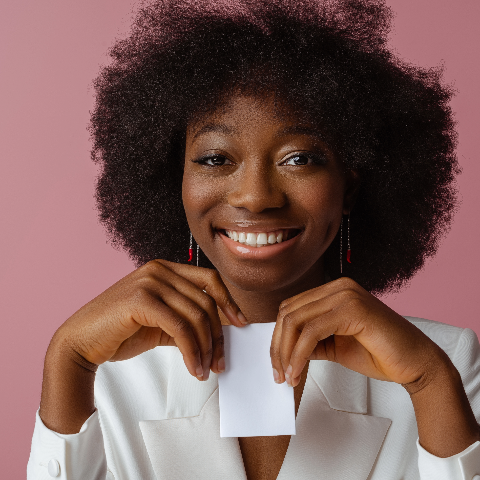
(446,423)
(67,429)
(67,391)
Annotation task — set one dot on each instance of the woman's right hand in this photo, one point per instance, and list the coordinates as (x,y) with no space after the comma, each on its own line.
(160,303)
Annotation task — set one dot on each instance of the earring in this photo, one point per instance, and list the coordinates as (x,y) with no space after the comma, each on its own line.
(341,246)
(349,250)
(190,249)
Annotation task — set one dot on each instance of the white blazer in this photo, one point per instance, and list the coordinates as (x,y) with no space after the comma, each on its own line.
(154,421)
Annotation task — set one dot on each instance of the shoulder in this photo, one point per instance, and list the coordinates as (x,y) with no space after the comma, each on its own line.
(460,344)
(444,335)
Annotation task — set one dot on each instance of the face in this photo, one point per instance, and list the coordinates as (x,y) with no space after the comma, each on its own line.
(263,195)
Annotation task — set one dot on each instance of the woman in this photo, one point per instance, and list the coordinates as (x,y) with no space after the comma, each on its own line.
(313,169)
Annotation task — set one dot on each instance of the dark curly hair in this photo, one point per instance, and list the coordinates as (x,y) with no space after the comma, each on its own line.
(326,60)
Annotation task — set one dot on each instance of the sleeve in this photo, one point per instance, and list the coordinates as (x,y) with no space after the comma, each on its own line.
(78,456)
(464,465)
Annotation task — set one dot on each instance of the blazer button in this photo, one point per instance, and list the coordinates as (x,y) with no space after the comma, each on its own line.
(53,468)
(476,477)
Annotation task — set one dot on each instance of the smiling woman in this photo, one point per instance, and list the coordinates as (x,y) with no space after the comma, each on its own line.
(279,135)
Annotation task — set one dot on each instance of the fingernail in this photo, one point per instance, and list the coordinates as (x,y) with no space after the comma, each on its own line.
(242,318)
(276,376)
(207,374)
(221,364)
(288,373)
(199,372)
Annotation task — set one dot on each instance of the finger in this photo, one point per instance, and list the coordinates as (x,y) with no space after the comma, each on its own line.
(336,286)
(157,313)
(199,319)
(210,281)
(278,372)
(296,316)
(292,325)
(185,287)
(324,332)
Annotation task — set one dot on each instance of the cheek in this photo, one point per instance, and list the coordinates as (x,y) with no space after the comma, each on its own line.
(196,196)
(323,201)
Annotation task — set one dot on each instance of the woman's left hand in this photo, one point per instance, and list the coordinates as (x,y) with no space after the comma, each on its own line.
(343,323)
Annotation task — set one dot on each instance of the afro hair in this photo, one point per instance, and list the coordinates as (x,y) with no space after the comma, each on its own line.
(328,61)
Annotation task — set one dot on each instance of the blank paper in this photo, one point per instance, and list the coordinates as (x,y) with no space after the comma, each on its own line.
(251,403)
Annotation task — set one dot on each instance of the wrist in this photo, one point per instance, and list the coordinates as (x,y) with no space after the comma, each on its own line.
(445,420)
(67,399)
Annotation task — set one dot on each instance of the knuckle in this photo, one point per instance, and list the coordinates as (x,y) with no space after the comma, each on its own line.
(355,303)
(289,320)
(208,352)
(193,352)
(140,296)
(201,317)
(219,340)
(151,267)
(283,305)
(310,329)
(181,327)
(347,294)
(146,280)
(274,352)
(209,303)
(346,282)
(214,276)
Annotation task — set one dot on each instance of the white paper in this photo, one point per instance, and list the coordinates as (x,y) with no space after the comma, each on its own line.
(251,403)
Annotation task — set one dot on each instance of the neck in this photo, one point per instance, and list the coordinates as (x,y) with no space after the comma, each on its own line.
(262,306)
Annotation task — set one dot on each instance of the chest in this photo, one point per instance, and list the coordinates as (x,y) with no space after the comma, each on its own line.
(263,456)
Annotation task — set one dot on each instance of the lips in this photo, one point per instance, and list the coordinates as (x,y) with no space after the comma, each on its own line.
(256,245)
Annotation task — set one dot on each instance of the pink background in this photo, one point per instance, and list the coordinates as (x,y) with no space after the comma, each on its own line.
(54,256)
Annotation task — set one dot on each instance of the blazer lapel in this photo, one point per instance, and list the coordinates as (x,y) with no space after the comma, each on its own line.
(335,439)
(191,447)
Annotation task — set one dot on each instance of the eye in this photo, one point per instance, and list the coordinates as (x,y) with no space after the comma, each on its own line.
(214,161)
(300,159)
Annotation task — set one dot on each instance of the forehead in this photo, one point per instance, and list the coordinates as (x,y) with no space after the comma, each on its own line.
(246,112)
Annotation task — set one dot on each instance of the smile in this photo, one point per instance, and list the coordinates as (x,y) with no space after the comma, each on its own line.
(261,239)
(259,245)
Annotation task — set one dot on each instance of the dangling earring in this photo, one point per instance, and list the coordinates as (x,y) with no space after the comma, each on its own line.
(349,251)
(341,246)
(190,249)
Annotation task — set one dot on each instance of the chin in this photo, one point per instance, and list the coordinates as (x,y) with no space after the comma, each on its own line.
(253,278)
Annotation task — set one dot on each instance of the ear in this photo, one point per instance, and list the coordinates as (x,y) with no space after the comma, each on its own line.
(353,182)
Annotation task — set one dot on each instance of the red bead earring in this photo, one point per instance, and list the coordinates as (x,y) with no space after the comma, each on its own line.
(349,250)
(190,249)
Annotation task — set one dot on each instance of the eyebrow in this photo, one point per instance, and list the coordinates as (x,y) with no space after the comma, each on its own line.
(291,130)
(215,127)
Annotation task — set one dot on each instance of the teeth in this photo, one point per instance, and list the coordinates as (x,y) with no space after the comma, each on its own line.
(251,239)
(262,239)
(258,239)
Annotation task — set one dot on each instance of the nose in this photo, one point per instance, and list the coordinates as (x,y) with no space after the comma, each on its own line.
(257,188)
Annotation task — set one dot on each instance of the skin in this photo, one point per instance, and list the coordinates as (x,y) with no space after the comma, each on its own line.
(261,176)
